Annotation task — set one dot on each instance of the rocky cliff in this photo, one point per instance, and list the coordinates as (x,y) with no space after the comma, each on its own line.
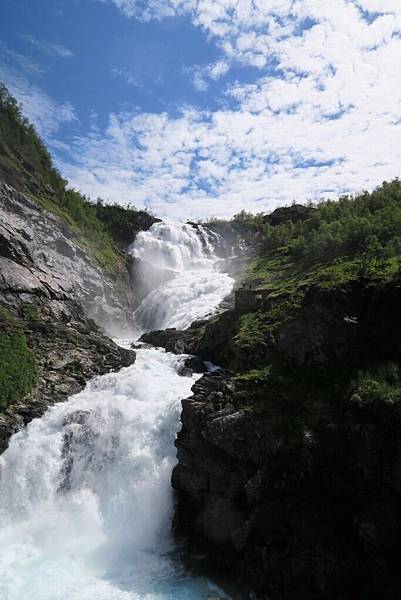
(289,460)
(53,297)
(41,255)
(288,463)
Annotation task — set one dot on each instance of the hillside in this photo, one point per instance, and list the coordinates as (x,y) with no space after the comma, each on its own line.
(25,163)
(65,278)
(289,462)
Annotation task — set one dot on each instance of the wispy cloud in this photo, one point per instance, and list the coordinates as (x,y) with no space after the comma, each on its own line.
(129,79)
(44,112)
(25,63)
(151,9)
(49,48)
(324,118)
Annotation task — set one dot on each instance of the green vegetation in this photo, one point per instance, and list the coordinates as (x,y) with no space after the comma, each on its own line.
(379,385)
(17,362)
(25,163)
(322,249)
(332,242)
(30,312)
(256,376)
(317,362)
(252,330)
(367,225)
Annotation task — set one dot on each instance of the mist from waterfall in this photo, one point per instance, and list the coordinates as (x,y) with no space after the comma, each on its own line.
(182,273)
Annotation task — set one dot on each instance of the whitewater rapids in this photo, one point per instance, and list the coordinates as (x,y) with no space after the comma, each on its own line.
(85,500)
(85,495)
(187,278)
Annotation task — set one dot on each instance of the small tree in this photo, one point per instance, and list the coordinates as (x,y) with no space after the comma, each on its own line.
(371,253)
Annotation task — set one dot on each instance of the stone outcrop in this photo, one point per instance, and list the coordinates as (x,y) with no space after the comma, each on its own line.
(208,339)
(288,466)
(40,257)
(220,450)
(56,292)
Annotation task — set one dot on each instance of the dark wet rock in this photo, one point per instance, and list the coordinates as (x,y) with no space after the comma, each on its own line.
(219,449)
(140,345)
(288,475)
(209,339)
(173,340)
(192,364)
(184,372)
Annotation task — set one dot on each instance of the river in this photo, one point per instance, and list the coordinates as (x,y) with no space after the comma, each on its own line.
(85,495)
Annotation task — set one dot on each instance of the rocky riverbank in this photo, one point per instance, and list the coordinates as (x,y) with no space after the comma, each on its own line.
(67,355)
(287,480)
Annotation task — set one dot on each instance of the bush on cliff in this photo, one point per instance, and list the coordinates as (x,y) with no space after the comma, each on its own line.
(17,362)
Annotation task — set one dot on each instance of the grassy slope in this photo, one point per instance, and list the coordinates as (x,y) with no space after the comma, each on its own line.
(25,163)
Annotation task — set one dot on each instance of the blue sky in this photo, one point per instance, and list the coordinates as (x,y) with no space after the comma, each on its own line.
(196,108)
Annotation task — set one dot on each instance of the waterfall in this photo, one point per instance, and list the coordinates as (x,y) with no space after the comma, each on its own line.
(182,272)
(85,495)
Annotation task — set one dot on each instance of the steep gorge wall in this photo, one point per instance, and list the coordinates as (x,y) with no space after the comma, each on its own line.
(53,297)
(288,474)
(41,256)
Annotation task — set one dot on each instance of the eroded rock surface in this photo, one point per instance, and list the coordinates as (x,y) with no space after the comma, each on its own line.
(52,288)
(40,256)
(288,464)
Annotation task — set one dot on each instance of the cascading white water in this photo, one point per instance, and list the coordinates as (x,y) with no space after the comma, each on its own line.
(194,284)
(85,495)
(85,498)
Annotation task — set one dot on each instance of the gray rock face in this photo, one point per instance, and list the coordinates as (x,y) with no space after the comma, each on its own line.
(39,255)
(67,356)
(54,290)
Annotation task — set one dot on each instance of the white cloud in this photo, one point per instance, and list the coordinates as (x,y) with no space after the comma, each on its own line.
(24,63)
(49,48)
(202,75)
(323,119)
(252,31)
(147,9)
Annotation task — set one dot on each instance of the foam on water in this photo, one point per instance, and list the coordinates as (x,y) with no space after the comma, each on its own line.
(85,494)
(85,499)
(196,284)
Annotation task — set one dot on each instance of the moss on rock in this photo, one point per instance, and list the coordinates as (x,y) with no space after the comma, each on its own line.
(17,362)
